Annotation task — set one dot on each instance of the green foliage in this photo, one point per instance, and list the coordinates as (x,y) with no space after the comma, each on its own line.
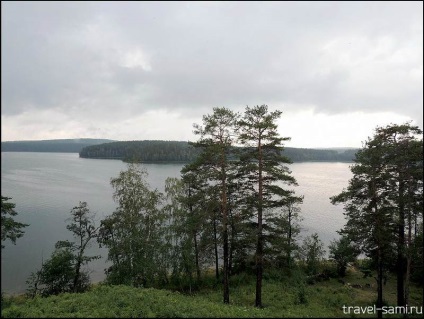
(282,230)
(142,151)
(384,200)
(63,271)
(321,300)
(33,284)
(57,274)
(134,232)
(185,233)
(263,171)
(168,151)
(311,253)
(10,229)
(301,296)
(417,271)
(343,251)
(317,155)
(217,136)
(84,230)
(125,302)
(230,208)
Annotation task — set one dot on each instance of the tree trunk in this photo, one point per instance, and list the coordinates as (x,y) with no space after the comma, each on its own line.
(226,277)
(400,269)
(408,258)
(216,249)
(232,242)
(259,263)
(289,240)
(379,284)
(379,236)
(196,250)
(196,254)
(259,248)
(224,212)
(77,275)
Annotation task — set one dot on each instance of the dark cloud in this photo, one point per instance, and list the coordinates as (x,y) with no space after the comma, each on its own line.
(113,60)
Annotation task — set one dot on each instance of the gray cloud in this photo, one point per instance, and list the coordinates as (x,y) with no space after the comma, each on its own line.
(110,61)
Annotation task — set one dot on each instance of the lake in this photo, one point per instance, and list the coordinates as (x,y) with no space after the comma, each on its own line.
(46,186)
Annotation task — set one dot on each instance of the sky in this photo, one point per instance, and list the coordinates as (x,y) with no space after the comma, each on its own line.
(150,70)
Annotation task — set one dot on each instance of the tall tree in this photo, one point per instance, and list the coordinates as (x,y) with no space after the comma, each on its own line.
(84,230)
(283,228)
(63,271)
(366,209)
(198,213)
(10,229)
(311,253)
(403,160)
(216,138)
(241,232)
(264,172)
(185,226)
(342,251)
(385,188)
(133,233)
(202,202)
(58,272)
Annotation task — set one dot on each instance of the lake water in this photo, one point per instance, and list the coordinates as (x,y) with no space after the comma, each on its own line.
(46,186)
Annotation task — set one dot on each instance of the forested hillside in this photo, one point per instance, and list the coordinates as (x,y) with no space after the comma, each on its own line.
(309,154)
(145,151)
(59,146)
(177,151)
(154,151)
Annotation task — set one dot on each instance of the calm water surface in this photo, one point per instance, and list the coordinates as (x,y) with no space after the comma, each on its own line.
(46,186)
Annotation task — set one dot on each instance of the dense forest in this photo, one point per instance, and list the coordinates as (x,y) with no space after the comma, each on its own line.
(155,150)
(142,151)
(229,230)
(176,151)
(60,145)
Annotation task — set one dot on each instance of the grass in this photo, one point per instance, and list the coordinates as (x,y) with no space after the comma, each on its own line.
(282,297)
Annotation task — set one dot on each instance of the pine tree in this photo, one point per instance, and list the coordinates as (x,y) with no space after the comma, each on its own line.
(385,190)
(403,159)
(84,230)
(216,139)
(10,229)
(283,228)
(368,211)
(263,170)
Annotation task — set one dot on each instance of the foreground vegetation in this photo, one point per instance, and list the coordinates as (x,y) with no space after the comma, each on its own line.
(283,297)
(234,217)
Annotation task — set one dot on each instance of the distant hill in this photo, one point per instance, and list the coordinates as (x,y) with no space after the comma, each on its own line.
(59,146)
(320,155)
(177,151)
(337,149)
(144,151)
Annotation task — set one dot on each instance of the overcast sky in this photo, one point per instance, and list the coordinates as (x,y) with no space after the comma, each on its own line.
(141,70)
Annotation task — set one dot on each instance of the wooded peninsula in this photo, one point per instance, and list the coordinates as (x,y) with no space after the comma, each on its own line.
(179,151)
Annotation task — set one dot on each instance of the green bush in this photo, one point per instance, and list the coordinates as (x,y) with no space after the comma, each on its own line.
(291,297)
(301,298)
